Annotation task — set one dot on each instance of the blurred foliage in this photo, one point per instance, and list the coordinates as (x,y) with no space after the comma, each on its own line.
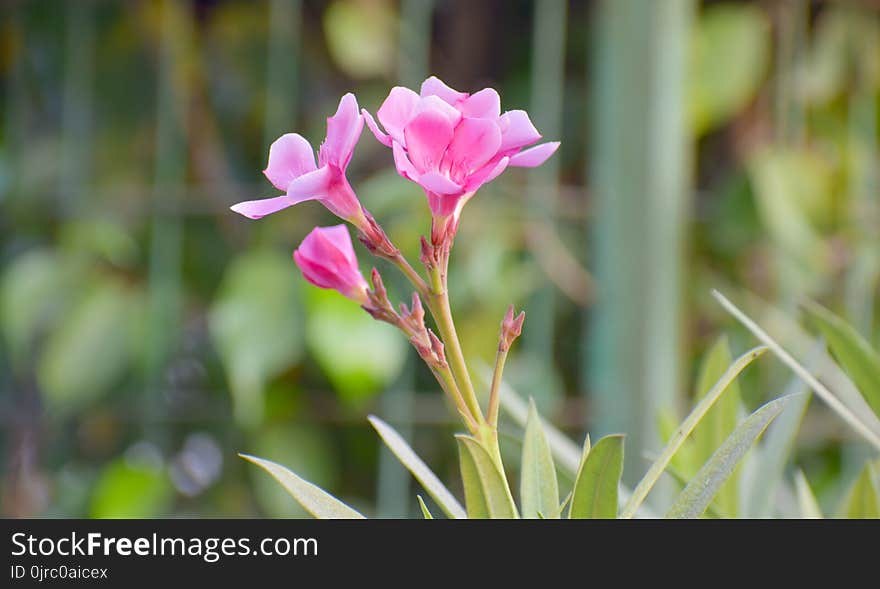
(256,325)
(730,55)
(260,361)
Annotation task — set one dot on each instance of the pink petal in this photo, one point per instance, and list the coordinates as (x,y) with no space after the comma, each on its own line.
(427,137)
(290,156)
(535,156)
(433,86)
(343,131)
(475,142)
(437,182)
(397,110)
(384,138)
(443,205)
(310,186)
(438,105)
(313,271)
(338,238)
(325,271)
(488,173)
(401,161)
(485,104)
(517,130)
(256,209)
(327,259)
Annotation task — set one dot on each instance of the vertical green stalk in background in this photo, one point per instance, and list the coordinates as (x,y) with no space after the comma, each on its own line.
(76,119)
(393,484)
(548,86)
(174,61)
(640,156)
(282,70)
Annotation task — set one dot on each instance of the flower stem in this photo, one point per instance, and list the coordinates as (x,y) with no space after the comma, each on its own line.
(439,307)
(410,272)
(447,383)
(495,391)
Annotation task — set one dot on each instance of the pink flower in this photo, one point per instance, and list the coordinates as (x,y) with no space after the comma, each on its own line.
(326,258)
(292,169)
(451,143)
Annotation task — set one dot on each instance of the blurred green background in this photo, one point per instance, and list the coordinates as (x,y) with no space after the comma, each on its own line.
(149,334)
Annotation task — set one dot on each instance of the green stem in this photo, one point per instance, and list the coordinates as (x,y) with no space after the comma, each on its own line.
(447,383)
(411,274)
(439,307)
(495,391)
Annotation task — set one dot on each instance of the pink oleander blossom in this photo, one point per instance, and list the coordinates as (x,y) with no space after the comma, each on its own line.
(292,169)
(451,142)
(327,259)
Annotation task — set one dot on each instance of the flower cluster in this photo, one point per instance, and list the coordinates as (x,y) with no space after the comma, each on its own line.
(448,142)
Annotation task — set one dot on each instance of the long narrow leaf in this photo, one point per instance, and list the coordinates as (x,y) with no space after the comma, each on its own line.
(775,451)
(539,489)
(485,486)
(426,513)
(444,498)
(863,500)
(695,498)
(595,488)
(811,354)
(807,504)
(314,499)
(855,355)
(474,496)
(820,389)
(687,426)
(565,451)
(719,422)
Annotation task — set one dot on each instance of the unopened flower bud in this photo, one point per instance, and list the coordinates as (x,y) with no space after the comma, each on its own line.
(511,328)
(327,259)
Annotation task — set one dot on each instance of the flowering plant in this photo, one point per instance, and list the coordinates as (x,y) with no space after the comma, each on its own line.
(451,143)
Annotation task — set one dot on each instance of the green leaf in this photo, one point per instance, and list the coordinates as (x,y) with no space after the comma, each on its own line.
(315,500)
(486,491)
(419,469)
(595,487)
(131,489)
(539,489)
(426,513)
(256,327)
(863,500)
(359,355)
(698,494)
(719,422)
(772,455)
(474,497)
(91,348)
(566,452)
(807,504)
(855,355)
(729,59)
(306,450)
(854,418)
(684,430)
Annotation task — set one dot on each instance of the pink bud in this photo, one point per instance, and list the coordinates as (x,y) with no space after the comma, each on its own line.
(511,328)
(327,259)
